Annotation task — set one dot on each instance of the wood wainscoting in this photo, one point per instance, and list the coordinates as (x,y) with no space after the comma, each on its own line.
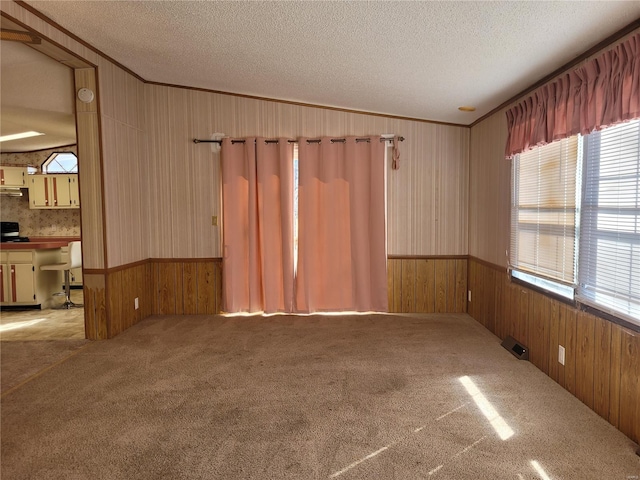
(194,286)
(602,359)
(95,305)
(162,286)
(427,284)
(109,299)
(124,286)
(187,286)
(416,285)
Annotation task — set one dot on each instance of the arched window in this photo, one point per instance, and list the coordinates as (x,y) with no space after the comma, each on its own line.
(61,162)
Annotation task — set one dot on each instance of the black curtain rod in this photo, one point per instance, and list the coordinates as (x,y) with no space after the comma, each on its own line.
(315,140)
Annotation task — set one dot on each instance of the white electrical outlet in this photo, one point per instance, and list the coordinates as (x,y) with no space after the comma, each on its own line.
(469,295)
(561,354)
(136,304)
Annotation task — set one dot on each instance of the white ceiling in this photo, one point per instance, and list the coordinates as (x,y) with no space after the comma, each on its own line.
(36,93)
(414,59)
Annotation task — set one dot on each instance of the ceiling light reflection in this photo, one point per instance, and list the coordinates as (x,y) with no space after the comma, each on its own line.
(497,422)
(18,136)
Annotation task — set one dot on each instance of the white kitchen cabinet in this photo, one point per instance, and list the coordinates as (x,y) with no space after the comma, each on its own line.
(54,191)
(23,283)
(18,278)
(75,274)
(13,176)
(4,281)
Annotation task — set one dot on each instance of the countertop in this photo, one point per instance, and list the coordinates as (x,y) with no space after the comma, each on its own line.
(38,243)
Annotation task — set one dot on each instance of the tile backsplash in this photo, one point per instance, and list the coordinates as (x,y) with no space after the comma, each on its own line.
(37,223)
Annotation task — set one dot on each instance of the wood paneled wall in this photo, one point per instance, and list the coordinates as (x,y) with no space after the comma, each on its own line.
(95,306)
(187,287)
(123,287)
(416,285)
(427,285)
(110,299)
(602,363)
(427,196)
(163,287)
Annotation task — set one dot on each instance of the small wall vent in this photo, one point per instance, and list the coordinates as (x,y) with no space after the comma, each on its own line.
(517,349)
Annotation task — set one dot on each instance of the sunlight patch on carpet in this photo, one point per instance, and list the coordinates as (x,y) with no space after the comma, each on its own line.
(358,462)
(497,422)
(540,470)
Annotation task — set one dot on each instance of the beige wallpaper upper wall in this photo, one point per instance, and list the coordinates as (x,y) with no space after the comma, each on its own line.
(489,190)
(427,196)
(123,159)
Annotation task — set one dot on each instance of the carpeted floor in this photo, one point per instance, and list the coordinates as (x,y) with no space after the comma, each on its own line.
(363,397)
(20,360)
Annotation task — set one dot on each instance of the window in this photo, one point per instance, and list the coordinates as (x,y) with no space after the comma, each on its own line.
(61,162)
(543,215)
(610,229)
(571,235)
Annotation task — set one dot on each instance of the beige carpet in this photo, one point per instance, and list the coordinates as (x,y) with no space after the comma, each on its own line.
(20,360)
(365,397)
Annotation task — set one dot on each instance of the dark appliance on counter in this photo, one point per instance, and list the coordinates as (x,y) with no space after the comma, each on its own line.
(10,232)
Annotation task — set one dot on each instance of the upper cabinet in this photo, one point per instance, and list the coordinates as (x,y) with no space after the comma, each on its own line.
(13,176)
(54,191)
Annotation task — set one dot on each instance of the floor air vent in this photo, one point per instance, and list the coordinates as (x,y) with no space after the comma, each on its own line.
(517,349)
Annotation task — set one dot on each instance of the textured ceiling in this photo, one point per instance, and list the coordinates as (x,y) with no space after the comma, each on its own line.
(413,59)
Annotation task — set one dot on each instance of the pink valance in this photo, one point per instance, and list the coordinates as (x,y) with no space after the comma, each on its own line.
(602,92)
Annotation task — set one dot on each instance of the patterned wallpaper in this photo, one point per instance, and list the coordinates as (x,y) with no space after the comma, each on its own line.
(37,223)
(33,159)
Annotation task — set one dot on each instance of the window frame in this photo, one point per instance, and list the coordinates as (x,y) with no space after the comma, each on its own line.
(52,157)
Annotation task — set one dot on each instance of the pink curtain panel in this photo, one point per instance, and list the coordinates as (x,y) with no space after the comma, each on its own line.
(257,198)
(342,263)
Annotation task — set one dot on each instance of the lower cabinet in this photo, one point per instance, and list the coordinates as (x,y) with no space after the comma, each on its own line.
(22,281)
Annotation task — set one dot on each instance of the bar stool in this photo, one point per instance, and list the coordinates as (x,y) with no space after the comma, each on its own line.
(74,261)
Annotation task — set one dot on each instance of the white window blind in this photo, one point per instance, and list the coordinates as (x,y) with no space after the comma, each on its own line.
(543,211)
(609,270)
